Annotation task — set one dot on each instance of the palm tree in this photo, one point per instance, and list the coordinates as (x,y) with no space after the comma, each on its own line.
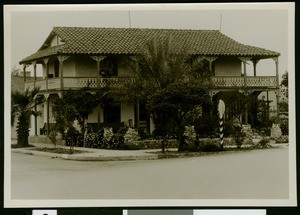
(161,64)
(23,104)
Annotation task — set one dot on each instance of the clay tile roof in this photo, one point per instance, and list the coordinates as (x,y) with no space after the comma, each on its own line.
(82,40)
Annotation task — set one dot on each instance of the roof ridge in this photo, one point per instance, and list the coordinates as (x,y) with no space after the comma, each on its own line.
(136,28)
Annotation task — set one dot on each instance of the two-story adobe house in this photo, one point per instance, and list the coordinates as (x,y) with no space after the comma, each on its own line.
(76,57)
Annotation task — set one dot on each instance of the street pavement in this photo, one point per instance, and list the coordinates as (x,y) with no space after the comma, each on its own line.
(249,174)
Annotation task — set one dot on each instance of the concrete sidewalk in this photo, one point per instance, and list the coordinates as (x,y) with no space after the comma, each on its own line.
(93,154)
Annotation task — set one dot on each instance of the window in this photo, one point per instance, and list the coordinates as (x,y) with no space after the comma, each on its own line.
(56,68)
(109,67)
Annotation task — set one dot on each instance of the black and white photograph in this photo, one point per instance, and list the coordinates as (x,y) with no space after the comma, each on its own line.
(150,105)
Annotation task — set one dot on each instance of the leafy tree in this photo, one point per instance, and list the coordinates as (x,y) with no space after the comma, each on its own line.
(176,106)
(15,72)
(23,104)
(285,79)
(78,105)
(74,105)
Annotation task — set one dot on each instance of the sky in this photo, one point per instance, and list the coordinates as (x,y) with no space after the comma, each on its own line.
(260,25)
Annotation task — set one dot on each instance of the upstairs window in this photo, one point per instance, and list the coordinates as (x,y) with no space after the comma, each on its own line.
(56,68)
(109,67)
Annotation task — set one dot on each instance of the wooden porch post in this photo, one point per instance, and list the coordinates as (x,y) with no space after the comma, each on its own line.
(46,60)
(48,114)
(35,107)
(254,61)
(268,107)
(34,73)
(138,115)
(245,73)
(277,92)
(210,60)
(98,59)
(61,60)
(24,73)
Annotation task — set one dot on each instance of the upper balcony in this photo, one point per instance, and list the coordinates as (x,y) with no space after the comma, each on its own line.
(54,84)
(258,82)
(220,82)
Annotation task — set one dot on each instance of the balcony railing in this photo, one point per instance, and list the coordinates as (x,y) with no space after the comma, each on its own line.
(92,82)
(78,82)
(233,81)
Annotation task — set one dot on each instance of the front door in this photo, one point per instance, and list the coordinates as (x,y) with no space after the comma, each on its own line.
(112,114)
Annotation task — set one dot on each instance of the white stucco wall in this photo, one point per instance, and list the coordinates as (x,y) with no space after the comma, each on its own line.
(69,67)
(93,117)
(85,67)
(40,121)
(228,67)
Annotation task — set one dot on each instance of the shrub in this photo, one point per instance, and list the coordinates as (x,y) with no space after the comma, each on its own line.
(275,131)
(238,135)
(263,143)
(282,139)
(74,137)
(143,133)
(117,141)
(107,135)
(131,137)
(209,144)
(52,136)
(246,129)
(94,139)
(189,136)
(284,126)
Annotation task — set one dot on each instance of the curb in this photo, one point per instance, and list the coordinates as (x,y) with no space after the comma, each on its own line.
(97,157)
(87,157)
(32,152)
(108,158)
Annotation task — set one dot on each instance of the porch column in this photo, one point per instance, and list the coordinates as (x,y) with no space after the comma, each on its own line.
(254,61)
(277,91)
(210,60)
(98,59)
(245,72)
(46,60)
(61,60)
(24,73)
(47,96)
(138,115)
(268,106)
(34,73)
(137,106)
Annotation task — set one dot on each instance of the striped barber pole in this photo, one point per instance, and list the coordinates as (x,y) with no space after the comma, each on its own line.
(221,131)
(221,111)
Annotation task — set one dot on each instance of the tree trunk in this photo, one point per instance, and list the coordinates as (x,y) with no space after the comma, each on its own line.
(182,144)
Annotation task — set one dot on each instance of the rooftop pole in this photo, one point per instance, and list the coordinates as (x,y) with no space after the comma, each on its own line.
(129,19)
(220,23)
